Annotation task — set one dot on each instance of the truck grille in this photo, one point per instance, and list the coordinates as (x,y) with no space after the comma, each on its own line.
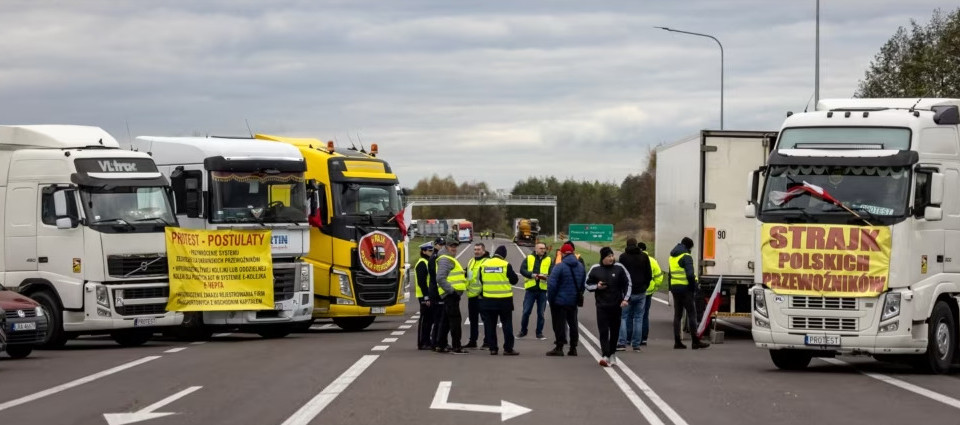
(140,293)
(284,283)
(13,315)
(376,291)
(134,310)
(824,323)
(136,265)
(823,303)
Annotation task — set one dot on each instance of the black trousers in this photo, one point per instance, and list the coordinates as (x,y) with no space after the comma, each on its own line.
(608,322)
(453,323)
(684,302)
(564,317)
(474,313)
(438,337)
(425,325)
(490,319)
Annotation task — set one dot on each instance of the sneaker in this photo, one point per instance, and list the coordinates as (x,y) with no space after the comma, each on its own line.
(700,344)
(510,353)
(643,343)
(556,352)
(471,344)
(441,350)
(541,337)
(613,360)
(521,334)
(621,347)
(485,345)
(572,352)
(459,351)
(605,362)
(494,352)
(679,346)
(636,349)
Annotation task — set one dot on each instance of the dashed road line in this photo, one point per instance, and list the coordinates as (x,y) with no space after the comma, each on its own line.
(389,340)
(198,342)
(225,334)
(380,348)
(397,333)
(175,350)
(404,326)
(933,395)
(312,409)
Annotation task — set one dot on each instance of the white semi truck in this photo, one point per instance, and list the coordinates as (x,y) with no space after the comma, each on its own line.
(699,195)
(231,183)
(859,234)
(83,232)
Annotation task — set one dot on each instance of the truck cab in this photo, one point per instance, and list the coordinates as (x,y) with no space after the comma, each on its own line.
(234,183)
(83,232)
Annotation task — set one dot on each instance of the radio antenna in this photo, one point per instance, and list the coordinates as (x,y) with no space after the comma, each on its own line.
(362,149)
(248,127)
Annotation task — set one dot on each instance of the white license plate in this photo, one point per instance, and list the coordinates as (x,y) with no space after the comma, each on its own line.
(28,326)
(278,306)
(139,323)
(822,340)
(378,310)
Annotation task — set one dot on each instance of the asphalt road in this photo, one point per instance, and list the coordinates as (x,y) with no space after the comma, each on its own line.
(377,376)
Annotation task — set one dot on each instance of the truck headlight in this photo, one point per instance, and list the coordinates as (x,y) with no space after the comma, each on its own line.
(39,311)
(760,302)
(103,296)
(891,306)
(305,277)
(344,281)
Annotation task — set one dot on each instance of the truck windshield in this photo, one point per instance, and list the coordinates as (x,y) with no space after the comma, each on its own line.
(845,138)
(127,208)
(366,199)
(253,197)
(875,193)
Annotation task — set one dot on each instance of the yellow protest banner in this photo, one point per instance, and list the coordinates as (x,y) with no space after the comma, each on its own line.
(219,270)
(825,259)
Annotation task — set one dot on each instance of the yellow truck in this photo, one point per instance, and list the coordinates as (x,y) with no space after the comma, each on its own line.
(356,244)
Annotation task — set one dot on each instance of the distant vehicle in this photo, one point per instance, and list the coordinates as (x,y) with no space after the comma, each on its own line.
(433,227)
(526,231)
(463,231)
(25,324)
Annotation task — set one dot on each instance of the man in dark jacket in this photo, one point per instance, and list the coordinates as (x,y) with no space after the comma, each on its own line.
(564,287)
(438,338)
(610,282)
(631,320)
(497,279)
(683,287)
(421,275)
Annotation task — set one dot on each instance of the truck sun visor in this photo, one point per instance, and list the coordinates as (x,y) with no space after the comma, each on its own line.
(899,159)
(117,172)
(219,163)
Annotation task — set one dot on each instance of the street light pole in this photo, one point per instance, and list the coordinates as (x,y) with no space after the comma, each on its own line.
(816,82)
(721,62)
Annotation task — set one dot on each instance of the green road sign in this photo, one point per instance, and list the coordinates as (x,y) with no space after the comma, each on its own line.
(591,232)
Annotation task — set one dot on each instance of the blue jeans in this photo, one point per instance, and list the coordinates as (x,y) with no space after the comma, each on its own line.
(530,297)
(646,318)
(631,321)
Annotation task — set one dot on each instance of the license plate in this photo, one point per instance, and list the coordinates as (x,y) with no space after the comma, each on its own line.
(278,306)
(28,326)
(138,323)
(378,310)
(822,340)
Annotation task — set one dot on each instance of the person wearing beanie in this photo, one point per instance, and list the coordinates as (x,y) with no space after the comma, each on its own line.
(568,245)
(631,319)
(421,276)
(656,279)
(564,290)
(480,255)
(610,282)
(536,267)
(683,287)
(497,279)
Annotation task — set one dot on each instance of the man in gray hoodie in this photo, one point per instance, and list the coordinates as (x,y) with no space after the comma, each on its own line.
(452,283)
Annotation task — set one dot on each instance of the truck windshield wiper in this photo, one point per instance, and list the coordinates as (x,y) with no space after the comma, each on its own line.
(802,211)
(858,208)
(160,219)
(119,221)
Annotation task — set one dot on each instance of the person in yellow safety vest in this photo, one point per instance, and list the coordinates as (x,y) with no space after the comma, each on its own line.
(655,282)
(480,255)
(452,283)
(496,300)
(535,269)
(683,287)
(421,279)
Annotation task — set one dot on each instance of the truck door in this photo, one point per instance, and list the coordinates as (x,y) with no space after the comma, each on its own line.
(60,251)
(951,220)
(20,244)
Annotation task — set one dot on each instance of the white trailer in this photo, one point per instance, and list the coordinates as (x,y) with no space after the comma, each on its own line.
(225,183)
(82,226)
(700,194)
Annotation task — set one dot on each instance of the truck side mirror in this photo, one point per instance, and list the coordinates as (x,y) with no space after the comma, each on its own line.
(318,205)
(936,188)
(192,196)
(931,213)
(61,209)
(750,210)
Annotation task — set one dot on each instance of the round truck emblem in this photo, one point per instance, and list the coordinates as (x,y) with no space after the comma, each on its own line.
(21,313)
(378,253)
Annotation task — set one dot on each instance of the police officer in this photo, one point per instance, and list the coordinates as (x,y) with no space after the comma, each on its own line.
(496,281)
(451,284)
(480,255)
(683,287)
(421,279)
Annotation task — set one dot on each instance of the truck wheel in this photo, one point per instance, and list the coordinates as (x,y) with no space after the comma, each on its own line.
(941,341)
(791,359)
(353,324)
(303,327)
(56,337)
(133,338)
(19,351)
(192,328)
(274,332)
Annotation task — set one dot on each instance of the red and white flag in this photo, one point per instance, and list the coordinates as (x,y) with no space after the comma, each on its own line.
(780,198)
(712,306)
(402,220)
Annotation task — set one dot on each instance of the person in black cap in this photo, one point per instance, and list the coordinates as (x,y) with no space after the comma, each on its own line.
(452,283)
(683,287)
(437,338)
(497,279)
(421,276)
(610,282)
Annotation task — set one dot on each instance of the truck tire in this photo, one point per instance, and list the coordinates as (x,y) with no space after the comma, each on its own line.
(354,324)
(275,332)
(131,338)
(192,328)
(791,359)
(56,337)
(19,351)
(941,341)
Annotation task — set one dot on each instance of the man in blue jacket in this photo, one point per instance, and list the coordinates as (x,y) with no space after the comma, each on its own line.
(565,285)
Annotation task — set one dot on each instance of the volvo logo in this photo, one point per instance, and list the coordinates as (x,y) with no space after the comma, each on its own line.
(21,313)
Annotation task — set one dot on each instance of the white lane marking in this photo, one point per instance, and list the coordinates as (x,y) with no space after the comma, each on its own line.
(225,334)
(380,348)
(733,326)
(949,401)
(404,327)
(522,255)
(389,340)
(410,322)
(657,299)
(645,410)
(312,409)
(198,342)
(147,413)
(463,251)
(506,409)
(397,333)
(640,383)
(75,383)
(175,350)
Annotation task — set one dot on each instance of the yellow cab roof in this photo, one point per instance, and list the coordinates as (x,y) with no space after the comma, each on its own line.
(317,146)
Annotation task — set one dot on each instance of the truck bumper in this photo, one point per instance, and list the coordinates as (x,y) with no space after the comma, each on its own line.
(295,309)
(323,310)
(134,305)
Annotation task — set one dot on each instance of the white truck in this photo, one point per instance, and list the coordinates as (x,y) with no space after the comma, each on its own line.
(83,232)
(859,223)
(233,183)
(699,195)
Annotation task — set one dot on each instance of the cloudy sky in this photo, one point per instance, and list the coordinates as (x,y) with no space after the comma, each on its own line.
(482,90)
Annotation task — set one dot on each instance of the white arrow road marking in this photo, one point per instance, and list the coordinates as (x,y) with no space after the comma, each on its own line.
(506,409)
(147,413)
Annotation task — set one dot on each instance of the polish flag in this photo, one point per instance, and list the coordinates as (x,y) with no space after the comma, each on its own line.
(712,306)
(402,220)
(780,198)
